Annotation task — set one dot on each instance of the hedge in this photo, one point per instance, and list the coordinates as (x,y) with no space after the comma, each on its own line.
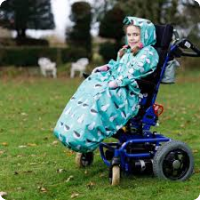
(28,56)
(108,51)
(13,42)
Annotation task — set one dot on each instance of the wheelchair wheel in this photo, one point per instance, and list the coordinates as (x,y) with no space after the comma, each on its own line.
(173,161)
(114,175)
(84,159)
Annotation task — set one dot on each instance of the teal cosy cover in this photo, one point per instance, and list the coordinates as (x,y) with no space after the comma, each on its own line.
(97,111)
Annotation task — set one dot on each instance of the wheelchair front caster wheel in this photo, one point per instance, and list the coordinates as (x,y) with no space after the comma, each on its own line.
(114,175)
(173,161)
(84,159)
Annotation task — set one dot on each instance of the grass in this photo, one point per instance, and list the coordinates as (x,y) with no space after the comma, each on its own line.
(35,166)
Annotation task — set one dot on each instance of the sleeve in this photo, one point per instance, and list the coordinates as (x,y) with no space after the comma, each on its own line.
(144,64)
(112,64)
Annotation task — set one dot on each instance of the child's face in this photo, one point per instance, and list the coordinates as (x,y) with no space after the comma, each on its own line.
(133,35)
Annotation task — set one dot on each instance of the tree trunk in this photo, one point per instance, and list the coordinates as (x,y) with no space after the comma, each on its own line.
(21,33)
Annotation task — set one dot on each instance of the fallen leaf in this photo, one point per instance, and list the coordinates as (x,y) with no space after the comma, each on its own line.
(42,189)
(69,153)
(31,144)
(20,188)
(182,125)
(196,171)
(91,184)
(69,178)
(2,152)
(22,146)
(60,170)
(102,175)
(194,151)
(4,144)
(3,194)
(33,163)
(24,114)
(74,195)
(55,142)
(179,133)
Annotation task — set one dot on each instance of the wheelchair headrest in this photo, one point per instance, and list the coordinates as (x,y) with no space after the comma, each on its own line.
(164,36)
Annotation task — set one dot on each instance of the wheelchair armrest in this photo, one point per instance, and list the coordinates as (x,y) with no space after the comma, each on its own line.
(146,86)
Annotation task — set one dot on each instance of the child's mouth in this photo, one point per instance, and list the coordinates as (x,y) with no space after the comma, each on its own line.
(133,43)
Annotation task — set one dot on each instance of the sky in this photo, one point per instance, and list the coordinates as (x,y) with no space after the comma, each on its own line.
(61,10)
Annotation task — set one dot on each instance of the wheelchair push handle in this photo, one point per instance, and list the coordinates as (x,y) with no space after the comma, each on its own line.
(186,44)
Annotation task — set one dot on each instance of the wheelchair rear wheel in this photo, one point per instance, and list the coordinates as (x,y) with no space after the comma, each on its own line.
(173,161)
(84,159)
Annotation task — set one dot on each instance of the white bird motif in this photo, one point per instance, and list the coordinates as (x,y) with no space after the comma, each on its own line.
(143,56)
(148,61)
(146,35)
(108,93)
(91,126)
(68,111)
(118,127)
(105,107)
(130,70)
(142,69)
(119,93)
(113,118)
(96,97)
(80,119)
(133,108)
(140,64)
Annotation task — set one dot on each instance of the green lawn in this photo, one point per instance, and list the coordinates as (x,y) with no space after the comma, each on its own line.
(35,166)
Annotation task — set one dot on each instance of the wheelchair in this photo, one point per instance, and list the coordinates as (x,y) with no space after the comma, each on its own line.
(138,148)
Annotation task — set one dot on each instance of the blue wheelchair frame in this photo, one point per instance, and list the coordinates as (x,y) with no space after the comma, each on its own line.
(119,150)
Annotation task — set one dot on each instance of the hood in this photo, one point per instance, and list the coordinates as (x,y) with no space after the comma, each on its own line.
(147,28)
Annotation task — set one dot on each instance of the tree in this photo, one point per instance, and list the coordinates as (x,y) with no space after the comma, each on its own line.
(79,35)
(21,15)
(190,9)
(158,11)
(100,7)
(111,27)
(192,24)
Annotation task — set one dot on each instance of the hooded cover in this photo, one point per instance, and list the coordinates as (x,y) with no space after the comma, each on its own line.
(96,111)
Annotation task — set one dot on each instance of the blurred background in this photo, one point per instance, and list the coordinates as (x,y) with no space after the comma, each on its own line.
(66,30)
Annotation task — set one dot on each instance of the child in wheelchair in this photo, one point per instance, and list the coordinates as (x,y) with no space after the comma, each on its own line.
(107,99)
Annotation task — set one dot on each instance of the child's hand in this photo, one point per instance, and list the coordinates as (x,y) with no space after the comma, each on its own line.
(100,69)
(113,84)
